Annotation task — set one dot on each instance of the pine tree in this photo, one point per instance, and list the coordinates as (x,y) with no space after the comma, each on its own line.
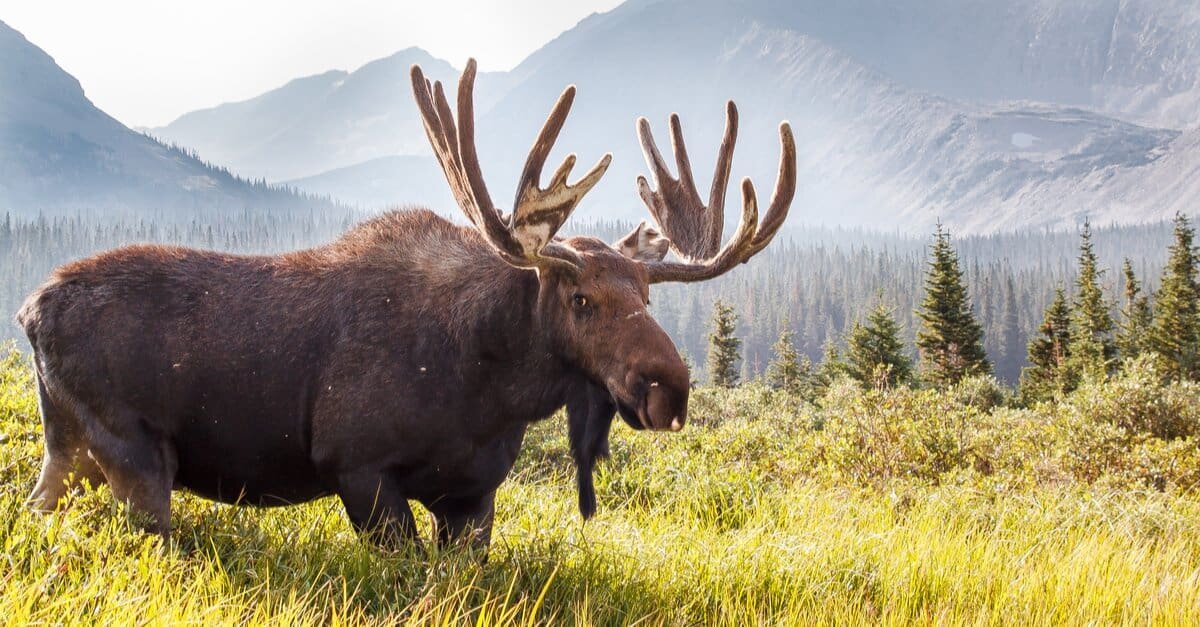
(950,340)
(784,371)
(723,347)
(1133,339)
(1048,353)
(1175,335)
(1093,347)
(874,353)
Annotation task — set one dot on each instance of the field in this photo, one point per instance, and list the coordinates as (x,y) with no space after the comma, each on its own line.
(894,507)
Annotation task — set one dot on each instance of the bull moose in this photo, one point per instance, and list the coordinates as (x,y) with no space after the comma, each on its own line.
(403,360)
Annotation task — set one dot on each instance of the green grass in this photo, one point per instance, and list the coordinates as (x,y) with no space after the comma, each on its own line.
(878,507)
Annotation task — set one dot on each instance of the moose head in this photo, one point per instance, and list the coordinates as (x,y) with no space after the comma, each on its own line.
(592,296)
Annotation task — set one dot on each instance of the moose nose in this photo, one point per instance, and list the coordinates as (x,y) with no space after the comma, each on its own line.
(663,405)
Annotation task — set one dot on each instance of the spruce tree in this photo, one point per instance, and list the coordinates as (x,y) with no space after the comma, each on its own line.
(784,371)
(1092,344)
(874,353)
(1175,335)
(723,347)
(831,368)
(1012,353)
(1048,353)
(950,341)
(691,367)
(1133,338)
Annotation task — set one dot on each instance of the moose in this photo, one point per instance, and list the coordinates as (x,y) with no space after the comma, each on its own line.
(402,361)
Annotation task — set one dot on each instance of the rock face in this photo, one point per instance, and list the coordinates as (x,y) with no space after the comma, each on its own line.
(988,116)
(60,154)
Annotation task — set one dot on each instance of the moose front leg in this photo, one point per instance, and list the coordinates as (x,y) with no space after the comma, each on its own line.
(378,510)
(467,520)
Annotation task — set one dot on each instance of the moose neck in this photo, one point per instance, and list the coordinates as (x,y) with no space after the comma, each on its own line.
(503,326)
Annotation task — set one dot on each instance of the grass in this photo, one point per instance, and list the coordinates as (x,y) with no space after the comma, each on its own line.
(894,507)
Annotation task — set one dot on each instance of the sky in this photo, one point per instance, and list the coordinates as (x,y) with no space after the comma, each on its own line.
(146,62)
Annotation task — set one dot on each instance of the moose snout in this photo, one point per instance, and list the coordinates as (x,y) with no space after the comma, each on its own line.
(661,398)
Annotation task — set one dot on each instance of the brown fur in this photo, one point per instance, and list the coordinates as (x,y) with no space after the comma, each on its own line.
(403,360)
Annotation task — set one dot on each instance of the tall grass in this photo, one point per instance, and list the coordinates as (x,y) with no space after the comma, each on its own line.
(877,507)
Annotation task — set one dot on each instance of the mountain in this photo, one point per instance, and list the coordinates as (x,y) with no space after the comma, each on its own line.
(59,153)
(1133,59)
(986,116)
(873,151)
(316,123)
(383,183)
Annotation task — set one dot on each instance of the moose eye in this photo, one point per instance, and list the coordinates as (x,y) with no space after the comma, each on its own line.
(580,301)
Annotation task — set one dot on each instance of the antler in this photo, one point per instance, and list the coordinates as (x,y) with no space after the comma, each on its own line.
(527,240)
(693,227)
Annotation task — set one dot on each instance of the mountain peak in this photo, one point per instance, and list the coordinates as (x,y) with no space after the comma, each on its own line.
(27,71)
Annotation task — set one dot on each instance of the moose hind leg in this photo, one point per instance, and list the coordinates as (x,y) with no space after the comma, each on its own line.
(65,461)
(378,510)
(139,465)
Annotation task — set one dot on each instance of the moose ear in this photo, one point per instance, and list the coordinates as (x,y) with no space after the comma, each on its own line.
(644,243)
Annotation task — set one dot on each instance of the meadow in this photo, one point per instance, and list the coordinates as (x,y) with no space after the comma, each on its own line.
(902,506)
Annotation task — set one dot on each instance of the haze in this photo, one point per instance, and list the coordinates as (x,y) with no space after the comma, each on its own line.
(146,62)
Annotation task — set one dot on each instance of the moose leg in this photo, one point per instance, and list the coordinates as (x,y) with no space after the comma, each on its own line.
(378,510)
(139,465)
(465,520)
(65,461)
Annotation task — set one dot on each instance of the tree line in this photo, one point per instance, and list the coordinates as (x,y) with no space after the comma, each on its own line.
(1079,339)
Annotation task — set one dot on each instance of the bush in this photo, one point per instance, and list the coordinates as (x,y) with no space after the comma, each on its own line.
(902,433)
(983,392)
(1140,401)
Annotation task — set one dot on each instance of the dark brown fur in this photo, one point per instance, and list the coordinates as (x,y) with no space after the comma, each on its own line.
(402,361)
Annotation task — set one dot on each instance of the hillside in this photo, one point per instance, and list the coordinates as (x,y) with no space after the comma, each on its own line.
(60,154)
(1132,59)
(384,183)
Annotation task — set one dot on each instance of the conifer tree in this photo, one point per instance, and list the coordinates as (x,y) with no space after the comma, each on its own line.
(1012,355)
(831,368)
(950,341)
(784,371)
(723,347)
(809,386)
(691,367)
(1175,335)
(874,353)
(1133,338)
(1048,353)
(1092,344)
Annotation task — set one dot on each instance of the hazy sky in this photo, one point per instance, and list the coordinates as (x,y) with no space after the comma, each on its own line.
(146,62)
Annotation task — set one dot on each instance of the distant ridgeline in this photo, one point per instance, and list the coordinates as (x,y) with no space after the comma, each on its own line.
(819,280)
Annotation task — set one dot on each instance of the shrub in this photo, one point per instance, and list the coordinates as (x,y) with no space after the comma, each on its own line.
(983,392)
(903,433)
(1139,401)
